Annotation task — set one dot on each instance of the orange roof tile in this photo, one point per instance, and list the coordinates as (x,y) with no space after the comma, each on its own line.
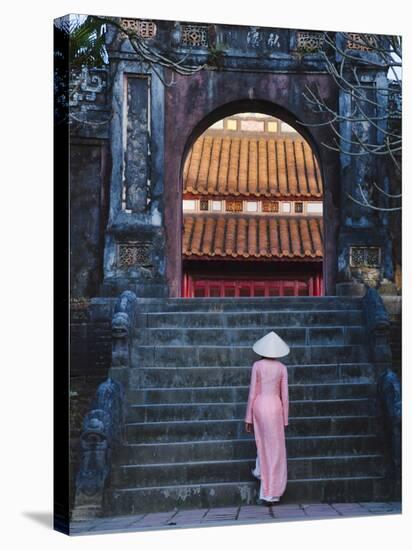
(231,165)
(253,236)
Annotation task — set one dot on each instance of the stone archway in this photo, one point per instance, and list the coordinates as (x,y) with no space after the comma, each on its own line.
(195,103)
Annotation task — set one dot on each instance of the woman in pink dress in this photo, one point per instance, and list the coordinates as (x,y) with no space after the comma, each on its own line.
(267,414)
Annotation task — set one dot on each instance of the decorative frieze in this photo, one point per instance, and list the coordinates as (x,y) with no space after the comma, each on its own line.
(365,256)
(234,206)
(270,206)
(87,86)
(309,42)
(265,206)
(134,254)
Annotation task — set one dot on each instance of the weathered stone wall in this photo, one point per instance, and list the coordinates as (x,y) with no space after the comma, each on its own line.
(90,356)
(147,128)
(87,216)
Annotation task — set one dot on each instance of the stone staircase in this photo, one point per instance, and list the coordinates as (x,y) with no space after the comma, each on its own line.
(186,446)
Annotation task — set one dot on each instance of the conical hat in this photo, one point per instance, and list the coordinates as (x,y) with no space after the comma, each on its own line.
(271,345)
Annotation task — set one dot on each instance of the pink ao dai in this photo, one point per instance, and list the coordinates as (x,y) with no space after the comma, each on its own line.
(268,411)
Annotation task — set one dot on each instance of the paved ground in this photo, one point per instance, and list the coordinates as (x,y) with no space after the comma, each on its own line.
(230,516)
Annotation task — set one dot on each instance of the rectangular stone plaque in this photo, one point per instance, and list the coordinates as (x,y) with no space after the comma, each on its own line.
(137,146)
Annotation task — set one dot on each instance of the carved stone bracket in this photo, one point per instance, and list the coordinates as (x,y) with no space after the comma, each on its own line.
(104,425)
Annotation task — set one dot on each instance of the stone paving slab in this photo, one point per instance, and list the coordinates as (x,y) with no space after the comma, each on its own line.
(288,513)
(221,514)
(187,516)
(350,509)
(254,512)
(319,510)
(205,517)
(382,507)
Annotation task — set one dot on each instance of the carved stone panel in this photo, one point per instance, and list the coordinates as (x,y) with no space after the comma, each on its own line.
(137,146)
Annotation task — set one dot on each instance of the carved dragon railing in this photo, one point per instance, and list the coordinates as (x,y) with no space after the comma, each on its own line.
(388,384)
(378,329)
(104,425)
(389,392)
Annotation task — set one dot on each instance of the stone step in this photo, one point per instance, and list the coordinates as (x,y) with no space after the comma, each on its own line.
(232,319)
(187,336)
(228,449)
(210,495)
(222,394)
(188,430)
(191,356)
(227,411)
(215,471)
(249,303)
(208,376)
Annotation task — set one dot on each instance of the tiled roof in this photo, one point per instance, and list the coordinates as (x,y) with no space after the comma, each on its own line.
(253,236)
(251,166)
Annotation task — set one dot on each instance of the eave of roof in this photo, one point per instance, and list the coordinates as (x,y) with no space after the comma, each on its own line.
(246,166)
(242,236)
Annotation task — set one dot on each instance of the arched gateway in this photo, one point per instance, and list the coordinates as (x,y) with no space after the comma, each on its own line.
(153,142)
(153,127)
(291,115)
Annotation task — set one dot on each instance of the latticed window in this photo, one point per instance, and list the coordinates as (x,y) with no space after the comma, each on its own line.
(298,207)
(309,42)
(143,28)
(234,206)
(203,204)
(363,256)
(147,29)
(195,35)
(270,206)
(130,254)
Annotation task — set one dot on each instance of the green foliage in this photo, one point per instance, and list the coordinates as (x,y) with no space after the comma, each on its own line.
(216,54)
(86,42)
